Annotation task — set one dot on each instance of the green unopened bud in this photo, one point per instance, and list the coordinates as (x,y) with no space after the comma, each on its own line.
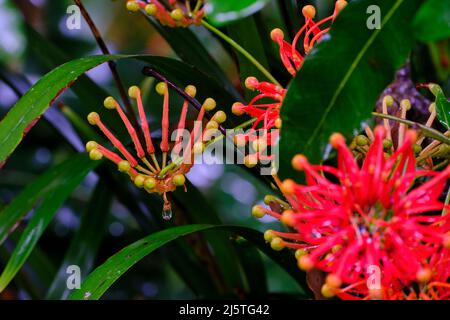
(209,104)
(434,88)
(212,125)
(134,92)
(250,160)
(277,244)
(258,212)
(387,144)
(139,181)
(151,9)
(191,91)
(132,6)
(269,199)
(179,180)
(177,14)
(92,118)
(220,116)
(124,166)
(417,148)
(91,145)
(388,100)
(405,104)
(269,235)
(110,103)
(362,140)
(161,88)
(150,183)
(95,155)
(299,253)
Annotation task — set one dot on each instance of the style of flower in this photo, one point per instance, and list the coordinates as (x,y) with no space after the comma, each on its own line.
(384,213)
(144,168)
(172,13)
(311,32)
(265,107)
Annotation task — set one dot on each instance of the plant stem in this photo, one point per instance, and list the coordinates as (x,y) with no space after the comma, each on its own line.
(427,131)
(241,50)
(112,65)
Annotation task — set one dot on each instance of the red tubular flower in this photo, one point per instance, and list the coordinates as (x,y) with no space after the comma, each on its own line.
(352,217)
(311,31)
(143,167)
(170,13)
(266,113)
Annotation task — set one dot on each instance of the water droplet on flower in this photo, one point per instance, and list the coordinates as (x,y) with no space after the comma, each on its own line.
(167,213)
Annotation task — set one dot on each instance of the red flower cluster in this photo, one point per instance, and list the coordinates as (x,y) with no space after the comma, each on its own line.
(267,114)
(383,215)
(172,13)
(144,169)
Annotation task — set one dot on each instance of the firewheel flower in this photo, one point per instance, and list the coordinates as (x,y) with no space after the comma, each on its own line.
(172,13)
(265,107)
(148,170)
(384,214)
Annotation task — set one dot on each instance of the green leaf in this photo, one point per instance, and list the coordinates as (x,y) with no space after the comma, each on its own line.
(442,106)
(341,79)
(85,243)
(96,284)
(46,194)
(256,277)
(246,33)
(432,21)
(38,274)
(36,100)
(195,205)
(221,12)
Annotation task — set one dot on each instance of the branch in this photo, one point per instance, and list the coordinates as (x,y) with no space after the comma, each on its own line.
(112,65)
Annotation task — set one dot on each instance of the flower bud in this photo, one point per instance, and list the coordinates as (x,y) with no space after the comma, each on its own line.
(91,145)
(161,88)
(94,154)
(258,212)
(179,180)
(124,166)
(209,104)
(110,103)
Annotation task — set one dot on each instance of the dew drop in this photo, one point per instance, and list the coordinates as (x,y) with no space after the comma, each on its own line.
(167,213)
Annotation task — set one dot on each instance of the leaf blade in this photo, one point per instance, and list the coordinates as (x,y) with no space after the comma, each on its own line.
(51,190)
(96,284)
